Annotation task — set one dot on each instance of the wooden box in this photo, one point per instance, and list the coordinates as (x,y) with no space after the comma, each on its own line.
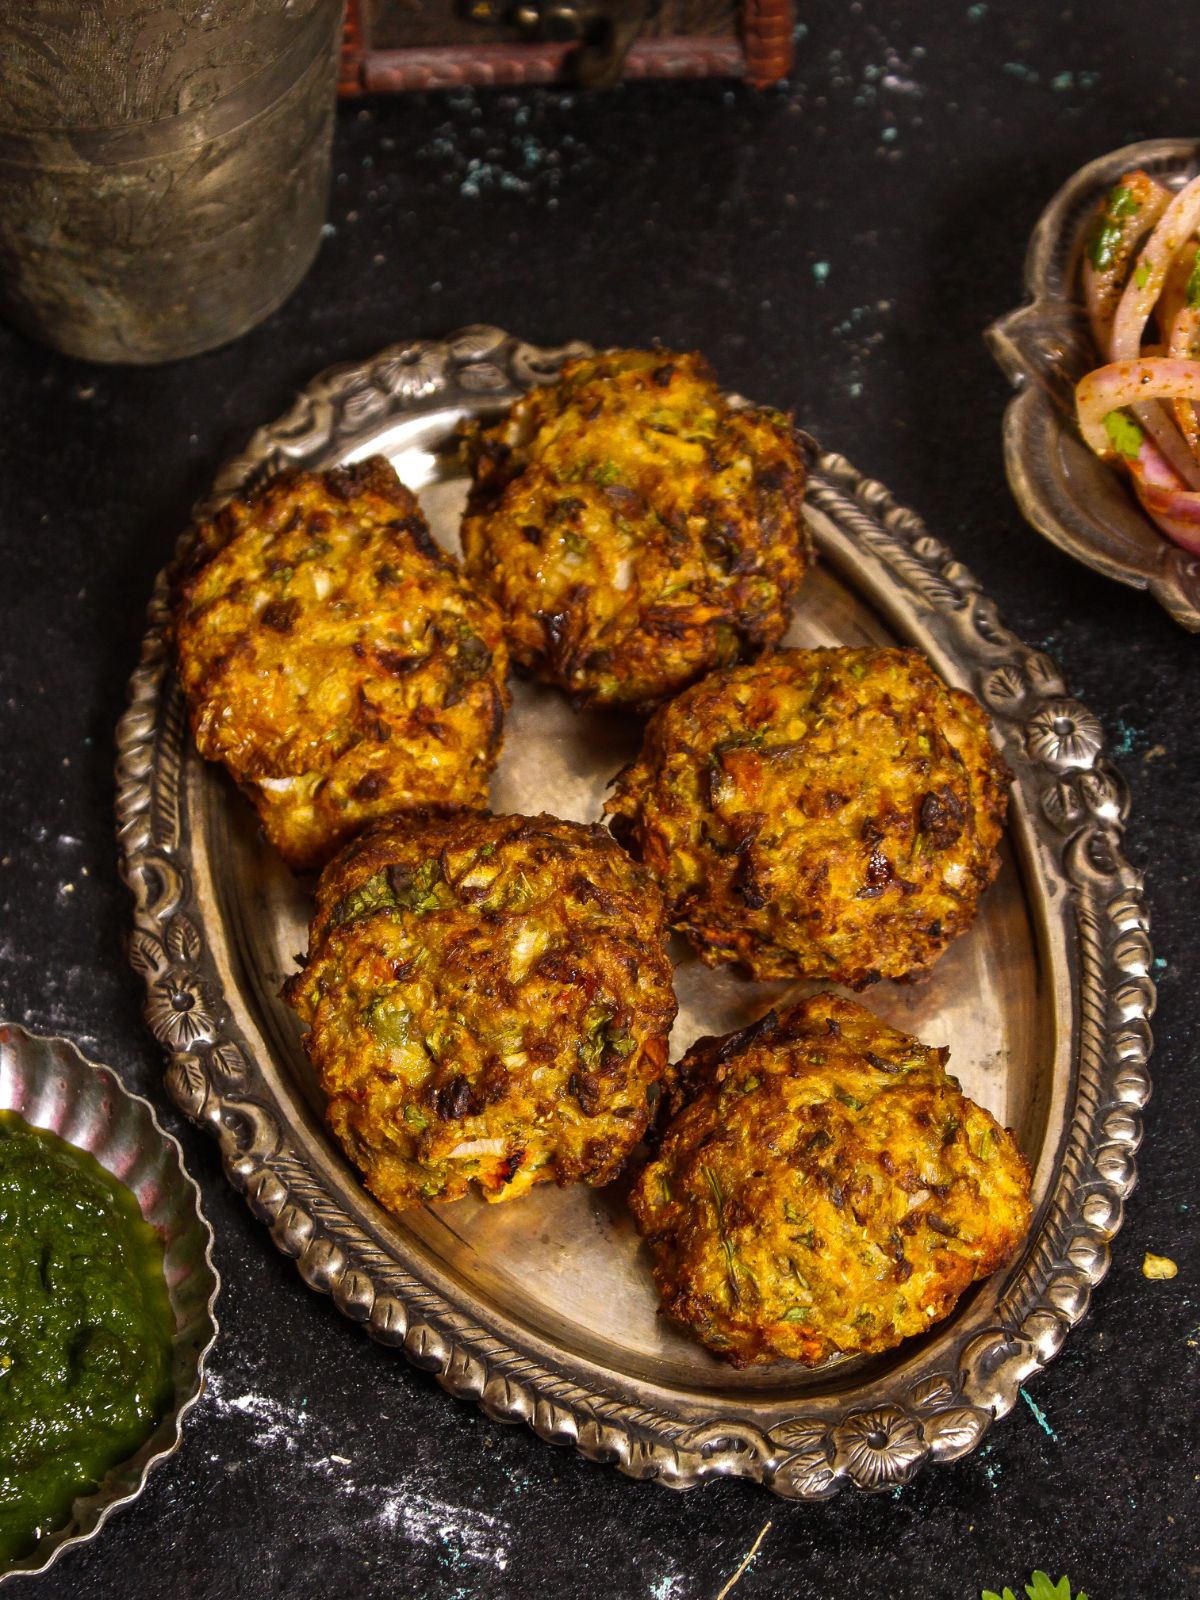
(439,44)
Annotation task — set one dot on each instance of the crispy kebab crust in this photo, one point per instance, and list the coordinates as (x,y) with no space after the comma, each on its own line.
(825,1189)
(488,1000)
(822,813)
(634,528)
(335,660)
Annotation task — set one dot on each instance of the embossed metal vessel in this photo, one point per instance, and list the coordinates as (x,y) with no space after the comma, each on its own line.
(1079,502)
(543,1310)
(51,1085)
(164,168)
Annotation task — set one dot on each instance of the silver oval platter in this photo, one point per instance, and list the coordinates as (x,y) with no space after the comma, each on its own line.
(543,1311)
(1045,346)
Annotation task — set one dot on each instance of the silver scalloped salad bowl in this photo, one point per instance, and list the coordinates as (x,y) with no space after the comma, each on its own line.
(51,1085)
(1044,347)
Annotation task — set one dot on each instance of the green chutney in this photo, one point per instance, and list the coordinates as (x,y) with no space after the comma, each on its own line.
(86,1330)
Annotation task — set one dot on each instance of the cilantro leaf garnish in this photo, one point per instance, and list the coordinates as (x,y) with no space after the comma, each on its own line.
(1124,434)
(1193,283)
(1105,239)
(1122,203)
(1039,1587)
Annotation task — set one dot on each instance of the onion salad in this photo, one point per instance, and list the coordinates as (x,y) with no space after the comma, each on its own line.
(1141,409)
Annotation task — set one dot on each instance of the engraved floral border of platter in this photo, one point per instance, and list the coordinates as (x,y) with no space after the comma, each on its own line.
(1069,809)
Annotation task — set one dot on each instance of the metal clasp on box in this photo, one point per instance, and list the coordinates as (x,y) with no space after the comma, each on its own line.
(603,29)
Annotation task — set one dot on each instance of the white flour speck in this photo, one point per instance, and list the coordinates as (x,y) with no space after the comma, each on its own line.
(475,1534)
(274,1423)
(464,1533)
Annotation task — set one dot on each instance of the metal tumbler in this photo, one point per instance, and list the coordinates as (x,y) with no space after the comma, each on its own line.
(164,169)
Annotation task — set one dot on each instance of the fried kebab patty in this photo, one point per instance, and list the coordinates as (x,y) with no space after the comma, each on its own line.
(488,1000)
(825,1189)
(335,660)
(634,528)
(821,813)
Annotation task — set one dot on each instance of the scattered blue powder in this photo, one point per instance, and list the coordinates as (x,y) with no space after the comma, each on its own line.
(1122,744)
(1039,1416)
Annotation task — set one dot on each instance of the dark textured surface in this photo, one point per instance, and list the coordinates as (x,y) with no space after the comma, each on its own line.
(835,245)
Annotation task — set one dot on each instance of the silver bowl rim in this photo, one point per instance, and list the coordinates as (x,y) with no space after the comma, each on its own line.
(43,1557)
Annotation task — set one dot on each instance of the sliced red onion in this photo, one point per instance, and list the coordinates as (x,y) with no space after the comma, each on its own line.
(1174,296)
(1173,508)
(1102,285)
(1185,346)
(1124,384)
(1174,228)
(1171,505)
(1160,425)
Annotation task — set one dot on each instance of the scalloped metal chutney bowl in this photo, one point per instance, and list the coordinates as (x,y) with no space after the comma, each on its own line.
(1045,347)
(51,1085)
